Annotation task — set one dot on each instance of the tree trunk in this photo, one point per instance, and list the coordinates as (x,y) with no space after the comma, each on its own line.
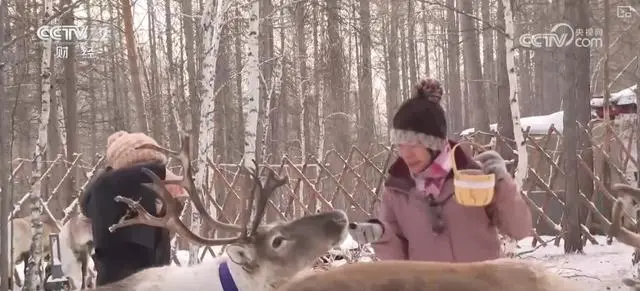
(514,103)
(606,174)
(54,145)
(473,68)
(265,63)
(393,92)
(366,133)
(33,280)
(194,98)
(120,116)
(455,92)
(411,39)
(212,22)
(134,71)
(155,97)
(251,101)
(69,92)
(238,133)
(505,123)
(303,88)
(425,34)
(488,62)
(95,105)
(318,100)
(404,66)
(172,127)
(4,133)
(574,103)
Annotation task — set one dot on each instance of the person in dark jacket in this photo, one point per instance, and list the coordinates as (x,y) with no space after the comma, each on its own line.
(127,250)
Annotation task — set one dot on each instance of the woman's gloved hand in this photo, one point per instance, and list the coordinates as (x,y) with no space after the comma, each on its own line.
(492,163)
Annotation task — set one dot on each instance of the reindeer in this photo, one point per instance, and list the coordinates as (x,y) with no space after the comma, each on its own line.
(76,246)
(20,229)
(617,228)
(499,274)
(260,258)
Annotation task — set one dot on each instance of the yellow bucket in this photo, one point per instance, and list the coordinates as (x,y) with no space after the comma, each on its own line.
(472,186)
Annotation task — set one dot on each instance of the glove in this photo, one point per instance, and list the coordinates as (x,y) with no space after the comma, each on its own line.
(492,163)
(365,232)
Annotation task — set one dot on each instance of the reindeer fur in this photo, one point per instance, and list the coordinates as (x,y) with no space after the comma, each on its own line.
(500,274)
(75,251)
(255,266)
(617,229)
(22,233)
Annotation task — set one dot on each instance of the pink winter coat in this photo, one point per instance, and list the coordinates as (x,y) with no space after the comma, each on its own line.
(469,233)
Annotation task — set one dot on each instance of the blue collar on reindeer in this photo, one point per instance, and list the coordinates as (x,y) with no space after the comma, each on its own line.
(225,278)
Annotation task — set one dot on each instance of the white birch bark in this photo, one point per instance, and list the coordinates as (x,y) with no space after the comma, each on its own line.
(212,22)
(62,130)
(33,280)
(522,168)
(251,101)
(175,112)
(267,111)
(302,137)
(321,134)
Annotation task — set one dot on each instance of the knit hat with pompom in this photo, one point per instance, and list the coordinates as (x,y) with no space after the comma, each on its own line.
(122,153)
(421,119)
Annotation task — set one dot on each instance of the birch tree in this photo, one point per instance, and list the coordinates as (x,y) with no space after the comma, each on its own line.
(521,147)
(212,22)
(251,101)
(522,169)
(33,280)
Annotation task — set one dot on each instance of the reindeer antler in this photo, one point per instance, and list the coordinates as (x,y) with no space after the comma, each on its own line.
(171,219)
(189,184)
(264,194)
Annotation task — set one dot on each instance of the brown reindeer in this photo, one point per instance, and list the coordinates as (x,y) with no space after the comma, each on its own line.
(617,228)
(500,274)
(258,259)
(20,229)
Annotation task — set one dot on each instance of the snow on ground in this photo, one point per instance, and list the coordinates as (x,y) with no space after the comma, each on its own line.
(601,267)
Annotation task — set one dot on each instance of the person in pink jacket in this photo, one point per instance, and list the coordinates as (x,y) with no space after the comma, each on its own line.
(419,220)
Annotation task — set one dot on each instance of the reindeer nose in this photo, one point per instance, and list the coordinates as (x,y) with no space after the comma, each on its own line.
(340,217)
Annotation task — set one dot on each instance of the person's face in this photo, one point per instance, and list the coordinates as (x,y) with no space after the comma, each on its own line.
(416,156)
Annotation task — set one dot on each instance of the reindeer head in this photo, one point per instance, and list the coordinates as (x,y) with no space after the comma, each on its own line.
(282,249)
(269,252)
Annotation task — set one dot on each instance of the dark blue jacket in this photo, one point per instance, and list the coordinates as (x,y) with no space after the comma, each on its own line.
(127,250)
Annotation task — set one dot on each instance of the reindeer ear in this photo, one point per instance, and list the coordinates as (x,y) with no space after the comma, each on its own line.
(241,254)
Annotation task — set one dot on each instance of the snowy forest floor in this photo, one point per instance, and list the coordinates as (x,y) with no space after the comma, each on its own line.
(601,267)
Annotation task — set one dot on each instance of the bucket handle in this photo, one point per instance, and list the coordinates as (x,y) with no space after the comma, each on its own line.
(452,153)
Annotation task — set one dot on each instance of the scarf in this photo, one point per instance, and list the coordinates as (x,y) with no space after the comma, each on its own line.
(431,179)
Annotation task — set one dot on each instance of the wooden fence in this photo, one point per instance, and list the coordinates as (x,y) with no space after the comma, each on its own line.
(353,181)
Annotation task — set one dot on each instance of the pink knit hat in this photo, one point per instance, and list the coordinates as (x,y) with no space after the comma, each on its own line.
(122,153)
